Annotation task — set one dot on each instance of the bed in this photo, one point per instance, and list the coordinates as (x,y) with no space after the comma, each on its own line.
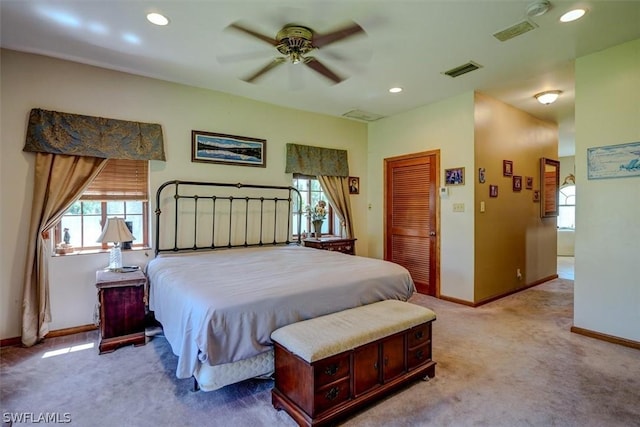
(227,273)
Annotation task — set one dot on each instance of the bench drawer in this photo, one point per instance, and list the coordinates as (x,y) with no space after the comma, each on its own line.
(419,335)
(331,395)
(331,369)
(419,356)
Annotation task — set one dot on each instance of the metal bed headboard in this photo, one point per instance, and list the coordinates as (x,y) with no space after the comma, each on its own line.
(229,218)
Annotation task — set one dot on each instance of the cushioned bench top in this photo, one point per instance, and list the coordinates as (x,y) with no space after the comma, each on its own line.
(321,337)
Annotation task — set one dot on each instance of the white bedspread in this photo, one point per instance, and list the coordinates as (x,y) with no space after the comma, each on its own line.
(221,306)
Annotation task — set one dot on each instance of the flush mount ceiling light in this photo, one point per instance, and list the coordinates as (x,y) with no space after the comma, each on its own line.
(547,97)
(395,90)
(538,8)
(573,15)
(157,19)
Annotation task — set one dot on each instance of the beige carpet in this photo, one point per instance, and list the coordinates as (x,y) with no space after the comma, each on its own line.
(513,362)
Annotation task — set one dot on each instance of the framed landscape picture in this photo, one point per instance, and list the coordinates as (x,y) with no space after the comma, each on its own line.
(208,147)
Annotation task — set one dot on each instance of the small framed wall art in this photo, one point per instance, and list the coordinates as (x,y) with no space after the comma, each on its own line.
(454,176)
(493,191)
(517,183)
(529,180)
(208,147)
(482,175)
(507,167)
(354,185)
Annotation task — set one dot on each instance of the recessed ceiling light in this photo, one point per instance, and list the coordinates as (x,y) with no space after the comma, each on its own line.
(158,19)
(572,15)
(395,90)
(547,97)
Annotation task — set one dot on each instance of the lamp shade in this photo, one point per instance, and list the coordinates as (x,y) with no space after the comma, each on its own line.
(115,231)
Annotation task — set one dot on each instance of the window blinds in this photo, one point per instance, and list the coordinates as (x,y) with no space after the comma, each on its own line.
(120,180)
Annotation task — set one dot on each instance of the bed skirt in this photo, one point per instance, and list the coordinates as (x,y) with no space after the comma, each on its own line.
(212,378)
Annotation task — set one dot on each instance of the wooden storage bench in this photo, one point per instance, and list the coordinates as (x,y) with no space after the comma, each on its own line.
(328,367)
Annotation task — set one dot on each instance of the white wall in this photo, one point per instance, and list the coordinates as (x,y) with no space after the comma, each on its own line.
(31,81)
(567,166)
(447,125)
(607,279)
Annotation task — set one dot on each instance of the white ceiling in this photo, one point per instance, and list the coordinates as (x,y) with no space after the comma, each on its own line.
(407,44)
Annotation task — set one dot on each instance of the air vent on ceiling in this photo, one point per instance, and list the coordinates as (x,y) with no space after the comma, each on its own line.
(463,69)
(363,115)
(515,30)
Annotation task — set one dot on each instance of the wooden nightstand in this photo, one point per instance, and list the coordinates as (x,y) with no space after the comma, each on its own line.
(338,244)
(122,309)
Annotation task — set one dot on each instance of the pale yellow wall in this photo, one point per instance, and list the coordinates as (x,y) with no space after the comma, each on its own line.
(31,81)
(607,246)
(446,126)
(510,235)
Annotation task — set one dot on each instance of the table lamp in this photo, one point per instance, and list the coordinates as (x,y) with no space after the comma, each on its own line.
(115,231)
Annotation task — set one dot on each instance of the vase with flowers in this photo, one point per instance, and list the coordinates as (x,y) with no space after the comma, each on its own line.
(317,216)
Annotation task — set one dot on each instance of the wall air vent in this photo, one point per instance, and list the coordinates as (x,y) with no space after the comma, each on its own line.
(515,30)
(363,115)
(462,69)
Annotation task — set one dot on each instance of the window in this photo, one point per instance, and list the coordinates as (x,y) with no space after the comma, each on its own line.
(311,193)
(567,207)
(120,189)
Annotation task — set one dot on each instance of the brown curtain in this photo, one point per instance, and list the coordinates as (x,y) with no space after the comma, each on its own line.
(336,188)
(59,181)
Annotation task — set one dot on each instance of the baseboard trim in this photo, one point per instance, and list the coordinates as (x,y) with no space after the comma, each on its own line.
(604,337)
(17,341)
(456,300)
(71,331)
(10,342)
(515,291)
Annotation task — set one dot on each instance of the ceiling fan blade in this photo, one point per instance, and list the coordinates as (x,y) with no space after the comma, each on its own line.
(244,56)
(270,66)
(267,39)
(319,67)
(320,40)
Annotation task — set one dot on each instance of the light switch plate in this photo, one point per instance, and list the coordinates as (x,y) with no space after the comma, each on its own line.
(458,207)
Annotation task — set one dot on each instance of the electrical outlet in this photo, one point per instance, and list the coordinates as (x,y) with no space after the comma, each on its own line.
(458,207)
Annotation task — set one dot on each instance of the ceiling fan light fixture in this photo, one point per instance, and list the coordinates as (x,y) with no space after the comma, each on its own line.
(157,19)
(295,57)
(573,15)
(547,97)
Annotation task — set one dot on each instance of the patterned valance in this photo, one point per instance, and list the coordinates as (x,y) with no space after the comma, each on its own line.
(316,161)
(77,135)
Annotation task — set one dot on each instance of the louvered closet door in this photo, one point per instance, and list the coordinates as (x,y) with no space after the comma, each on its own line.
(411,239)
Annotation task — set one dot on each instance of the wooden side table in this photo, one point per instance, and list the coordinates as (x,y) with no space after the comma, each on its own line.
(338,244)
(122,309)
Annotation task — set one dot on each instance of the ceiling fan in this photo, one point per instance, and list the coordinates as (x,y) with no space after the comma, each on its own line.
(295,43)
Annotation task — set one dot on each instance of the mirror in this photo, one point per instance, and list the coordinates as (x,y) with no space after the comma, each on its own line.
(549,187)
